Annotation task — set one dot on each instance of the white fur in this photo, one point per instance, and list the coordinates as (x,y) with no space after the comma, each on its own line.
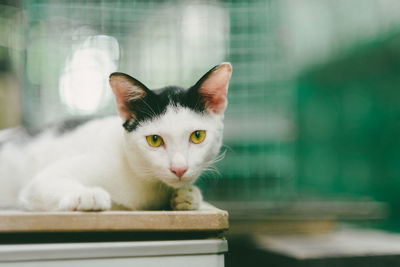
(100,166)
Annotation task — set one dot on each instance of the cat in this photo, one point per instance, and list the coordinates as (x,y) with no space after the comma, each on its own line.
(146,158)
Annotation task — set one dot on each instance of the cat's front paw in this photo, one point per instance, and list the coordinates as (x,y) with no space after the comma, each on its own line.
(87,199)
(186,198)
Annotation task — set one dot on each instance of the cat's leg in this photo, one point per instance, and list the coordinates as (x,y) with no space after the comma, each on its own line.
(60,187)
(62,194)
(187,197)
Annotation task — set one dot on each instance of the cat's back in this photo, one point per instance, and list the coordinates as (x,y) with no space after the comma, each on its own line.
(58,141)
(69,138)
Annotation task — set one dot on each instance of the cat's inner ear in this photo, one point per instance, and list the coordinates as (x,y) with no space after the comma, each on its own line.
(126,90)
(213,88)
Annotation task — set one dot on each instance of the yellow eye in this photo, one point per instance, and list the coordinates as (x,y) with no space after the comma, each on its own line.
(198,136)
(154,140)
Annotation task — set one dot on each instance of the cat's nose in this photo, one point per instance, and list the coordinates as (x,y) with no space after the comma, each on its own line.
(179,171)
(178,165)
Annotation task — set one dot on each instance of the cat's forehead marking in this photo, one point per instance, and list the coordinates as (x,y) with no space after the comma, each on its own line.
(176,119)
(153,107)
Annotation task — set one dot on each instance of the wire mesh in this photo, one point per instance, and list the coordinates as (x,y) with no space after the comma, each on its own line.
(163,43)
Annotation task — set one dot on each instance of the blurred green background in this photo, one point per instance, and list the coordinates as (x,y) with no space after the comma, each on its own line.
(314,101)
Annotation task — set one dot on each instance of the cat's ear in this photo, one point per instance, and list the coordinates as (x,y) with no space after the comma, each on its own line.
(126,89)
(213,88)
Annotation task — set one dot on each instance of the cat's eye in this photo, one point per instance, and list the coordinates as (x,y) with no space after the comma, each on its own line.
(198,136)
(154,140)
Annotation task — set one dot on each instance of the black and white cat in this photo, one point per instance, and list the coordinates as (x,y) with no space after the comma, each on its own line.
(168,137)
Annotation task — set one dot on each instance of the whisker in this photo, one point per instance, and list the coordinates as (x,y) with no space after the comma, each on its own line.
(227,147)
(220,157)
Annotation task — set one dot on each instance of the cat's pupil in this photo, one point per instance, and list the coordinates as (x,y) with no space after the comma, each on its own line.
(197,134)
(155,138)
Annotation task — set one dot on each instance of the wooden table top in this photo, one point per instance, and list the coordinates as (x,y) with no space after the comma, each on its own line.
(208,218)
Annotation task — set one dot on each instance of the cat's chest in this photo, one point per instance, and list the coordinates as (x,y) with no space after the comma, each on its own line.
(147,198)
(137,194)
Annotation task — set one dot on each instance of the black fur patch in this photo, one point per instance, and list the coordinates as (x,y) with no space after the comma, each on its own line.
(155,103)
(71,124)
(61,127)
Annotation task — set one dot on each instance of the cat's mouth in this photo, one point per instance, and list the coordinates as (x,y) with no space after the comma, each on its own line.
(177,182)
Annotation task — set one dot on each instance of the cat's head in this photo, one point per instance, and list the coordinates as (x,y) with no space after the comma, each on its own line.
(172,134)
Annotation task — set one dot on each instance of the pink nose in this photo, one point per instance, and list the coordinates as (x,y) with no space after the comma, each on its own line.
(179,171)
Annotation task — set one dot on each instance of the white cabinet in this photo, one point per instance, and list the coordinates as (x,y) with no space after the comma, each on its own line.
(193,253)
